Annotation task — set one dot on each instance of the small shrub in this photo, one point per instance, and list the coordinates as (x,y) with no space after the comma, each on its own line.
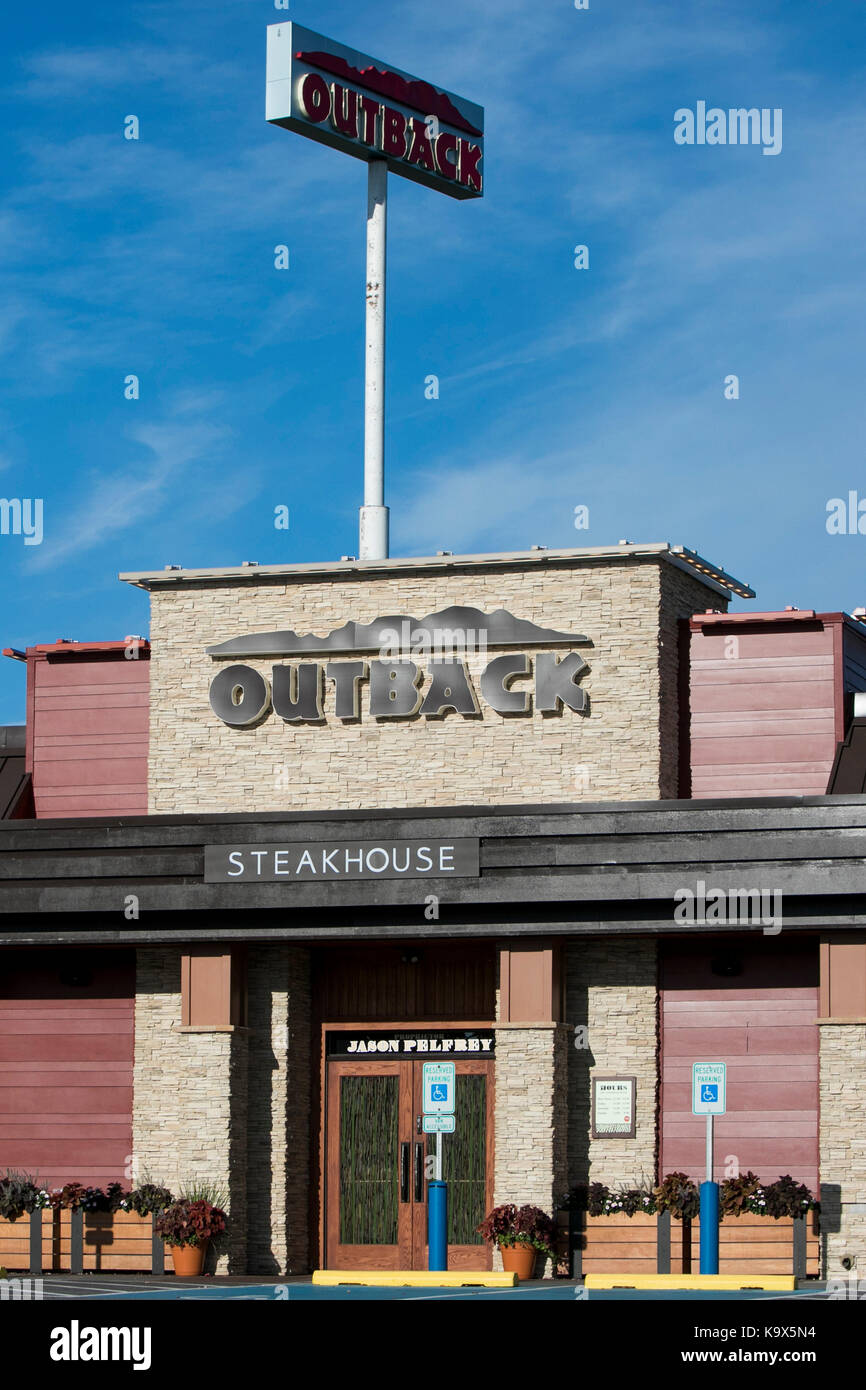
(785,1197)
(679,1195)
(18,1195)
(203,1190)
(596,1198)
(737,1194)
(147,1199)
(631,1200)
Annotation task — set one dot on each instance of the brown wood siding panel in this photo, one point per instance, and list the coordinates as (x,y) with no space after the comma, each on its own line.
(529,983)
(765,720)
(89,737)
(843,978)
(728,781)
(762,1024)
(757,746)
(364,984)
(66,1056)
(100,772)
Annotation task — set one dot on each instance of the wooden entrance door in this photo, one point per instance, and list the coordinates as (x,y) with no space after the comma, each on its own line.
(378,1162)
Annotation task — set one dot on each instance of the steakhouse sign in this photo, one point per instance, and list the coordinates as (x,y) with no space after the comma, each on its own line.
(372,110)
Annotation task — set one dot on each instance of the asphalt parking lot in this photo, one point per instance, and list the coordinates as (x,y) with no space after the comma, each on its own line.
(165,1288)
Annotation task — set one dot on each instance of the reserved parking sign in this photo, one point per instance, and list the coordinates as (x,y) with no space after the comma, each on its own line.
(708,1088)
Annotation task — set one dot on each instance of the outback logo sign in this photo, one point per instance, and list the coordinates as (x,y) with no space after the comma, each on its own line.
(511,684)
(372,110)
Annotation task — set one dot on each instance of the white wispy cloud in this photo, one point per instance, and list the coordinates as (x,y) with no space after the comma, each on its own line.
(179,458)
(87,73)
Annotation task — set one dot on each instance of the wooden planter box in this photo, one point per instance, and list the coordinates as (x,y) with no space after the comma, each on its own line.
(748,1244)
(119,1240)
(620,1244)
(15,1243)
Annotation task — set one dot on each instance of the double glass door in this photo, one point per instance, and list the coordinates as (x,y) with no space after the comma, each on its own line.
(378,1162)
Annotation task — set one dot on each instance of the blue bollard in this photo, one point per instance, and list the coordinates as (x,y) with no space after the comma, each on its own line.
(709,1228)
(437,1225)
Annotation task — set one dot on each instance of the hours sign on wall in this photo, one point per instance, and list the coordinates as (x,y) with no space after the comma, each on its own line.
(613,1107)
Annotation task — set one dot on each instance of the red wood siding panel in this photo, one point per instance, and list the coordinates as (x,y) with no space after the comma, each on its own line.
(763,722)
(66,1056)
(762,1024)
(89,736)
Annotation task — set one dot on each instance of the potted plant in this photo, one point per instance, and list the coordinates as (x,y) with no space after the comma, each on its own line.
(521,1233)
(187,1226)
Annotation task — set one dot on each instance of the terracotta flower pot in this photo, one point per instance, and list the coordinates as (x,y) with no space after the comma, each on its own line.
(188,1260)
(518,1259)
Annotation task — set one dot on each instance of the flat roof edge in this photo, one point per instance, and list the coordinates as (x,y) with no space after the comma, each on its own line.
(680,556)
(477,811)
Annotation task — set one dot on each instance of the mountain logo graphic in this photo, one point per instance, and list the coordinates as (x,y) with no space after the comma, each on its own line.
(421,96)
(453,627)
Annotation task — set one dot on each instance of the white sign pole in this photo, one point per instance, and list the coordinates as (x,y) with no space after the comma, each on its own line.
(373,538)
(439,1156)
(709,1148)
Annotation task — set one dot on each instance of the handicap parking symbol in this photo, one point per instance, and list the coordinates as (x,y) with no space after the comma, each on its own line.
(710,1093)
(439,1093)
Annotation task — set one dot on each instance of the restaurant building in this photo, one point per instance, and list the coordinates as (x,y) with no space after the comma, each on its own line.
(555,815)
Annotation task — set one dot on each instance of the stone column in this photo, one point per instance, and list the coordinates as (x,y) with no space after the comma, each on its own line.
(189,1099)
(279,1109)
(842,1139)
(530,1116)
(531,1119)
(612,1012)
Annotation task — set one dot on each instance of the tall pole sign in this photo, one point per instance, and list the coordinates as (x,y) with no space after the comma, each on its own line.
(395,122)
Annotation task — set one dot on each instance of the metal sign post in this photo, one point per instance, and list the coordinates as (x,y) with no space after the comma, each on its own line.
(708,1098)
(375,112)
(373,530)
(439,1086)
(709,1148)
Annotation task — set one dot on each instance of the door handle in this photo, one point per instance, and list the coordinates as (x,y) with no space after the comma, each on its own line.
(419,1172)
(404,1172)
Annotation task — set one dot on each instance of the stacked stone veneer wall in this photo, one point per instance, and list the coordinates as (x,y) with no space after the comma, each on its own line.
(612,1002)
(231,1107)
(843,1148)
(278,1154)
(530,1126)
(625,747)
(189,1098)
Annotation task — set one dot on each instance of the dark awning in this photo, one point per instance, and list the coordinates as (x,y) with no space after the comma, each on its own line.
(15,792)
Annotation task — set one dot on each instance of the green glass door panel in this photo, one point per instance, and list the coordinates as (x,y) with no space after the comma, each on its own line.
(464,1161)
(369,1193)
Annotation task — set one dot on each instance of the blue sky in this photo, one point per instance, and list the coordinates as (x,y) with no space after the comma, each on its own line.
(558,387)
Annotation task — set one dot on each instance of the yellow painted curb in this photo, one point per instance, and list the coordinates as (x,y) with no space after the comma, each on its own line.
(415,1278)
(778,1282)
